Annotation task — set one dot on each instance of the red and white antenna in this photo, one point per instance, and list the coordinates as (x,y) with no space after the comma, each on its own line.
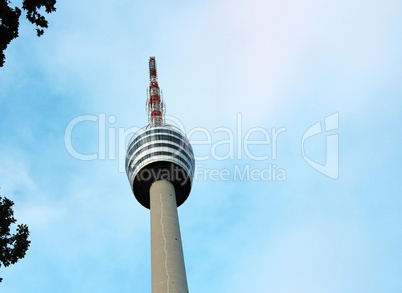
(155,105)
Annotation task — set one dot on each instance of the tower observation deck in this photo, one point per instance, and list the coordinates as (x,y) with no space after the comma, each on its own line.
(160,167)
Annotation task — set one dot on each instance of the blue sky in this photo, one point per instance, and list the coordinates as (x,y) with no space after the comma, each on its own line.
(276,65)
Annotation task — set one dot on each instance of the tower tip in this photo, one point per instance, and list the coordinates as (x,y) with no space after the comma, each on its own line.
(153,75)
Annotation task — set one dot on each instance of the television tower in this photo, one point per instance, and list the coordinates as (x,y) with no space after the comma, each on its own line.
(160,168)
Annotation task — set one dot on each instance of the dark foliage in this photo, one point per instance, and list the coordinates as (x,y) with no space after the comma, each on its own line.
(12,246)
(9,20)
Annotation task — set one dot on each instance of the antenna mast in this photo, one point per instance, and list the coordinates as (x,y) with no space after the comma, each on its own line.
(155,105)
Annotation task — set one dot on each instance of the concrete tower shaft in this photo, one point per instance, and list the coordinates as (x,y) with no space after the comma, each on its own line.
(168,269)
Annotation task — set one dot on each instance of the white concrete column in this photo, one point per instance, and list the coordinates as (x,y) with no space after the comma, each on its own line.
(168,270)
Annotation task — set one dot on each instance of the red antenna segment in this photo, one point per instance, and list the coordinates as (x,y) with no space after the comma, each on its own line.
(155,105)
